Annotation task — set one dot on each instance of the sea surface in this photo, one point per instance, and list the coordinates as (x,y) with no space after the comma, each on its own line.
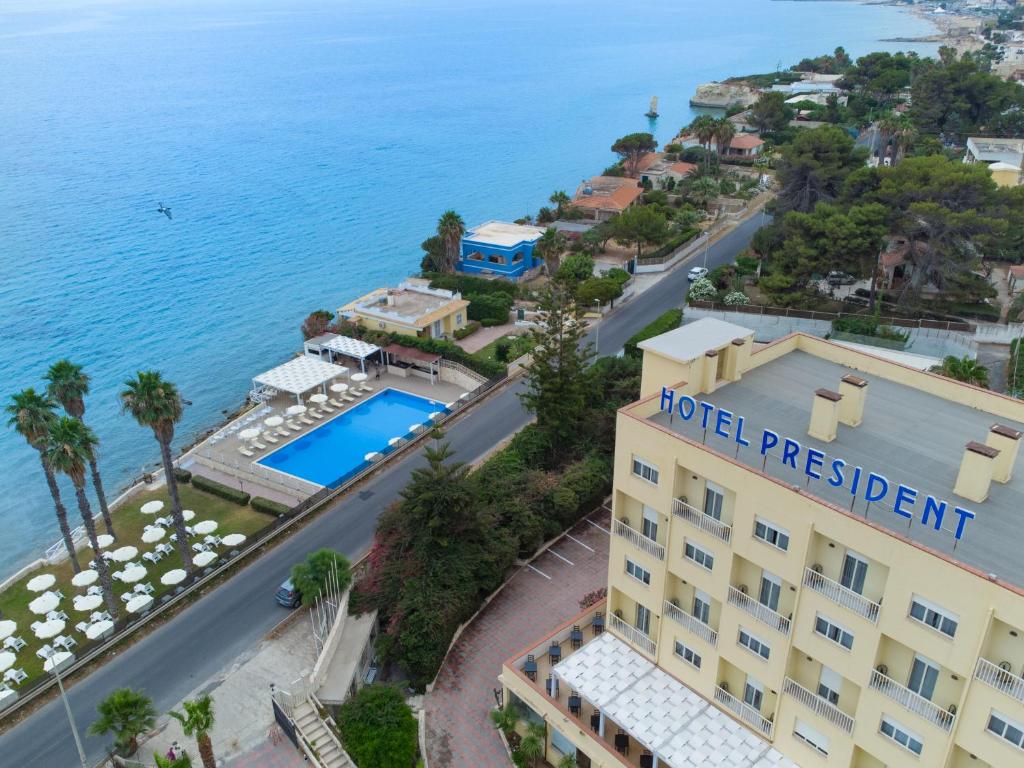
(305,149)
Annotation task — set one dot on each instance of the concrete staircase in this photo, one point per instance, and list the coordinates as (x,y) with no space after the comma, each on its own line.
(316,733)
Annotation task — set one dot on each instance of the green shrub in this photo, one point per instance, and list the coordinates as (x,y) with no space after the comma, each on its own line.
(702,290)
(662,324)
(493,307)
(683,237)
(501,350)
(467,284)
(378,728)
(182,475)
(269,507)
(470,328)
(867,325)
(219,489)
(620,276)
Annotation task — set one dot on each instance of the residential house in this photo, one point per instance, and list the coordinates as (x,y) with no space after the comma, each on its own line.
(1004,157)
(412,309)
(499,248)
(603,197)
(742,144)
(656,170)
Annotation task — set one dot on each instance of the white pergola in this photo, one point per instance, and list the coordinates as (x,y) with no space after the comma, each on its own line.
(299,375)
(342,345)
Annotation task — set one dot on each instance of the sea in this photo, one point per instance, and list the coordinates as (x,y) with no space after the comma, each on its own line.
(305,149)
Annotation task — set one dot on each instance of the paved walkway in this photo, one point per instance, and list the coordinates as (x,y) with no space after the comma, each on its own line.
(274,752)
(536,599)
(484,336)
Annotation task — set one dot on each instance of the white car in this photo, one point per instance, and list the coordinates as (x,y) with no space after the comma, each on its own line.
(697,273)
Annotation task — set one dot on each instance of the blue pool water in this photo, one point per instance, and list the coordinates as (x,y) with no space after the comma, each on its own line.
(332,452)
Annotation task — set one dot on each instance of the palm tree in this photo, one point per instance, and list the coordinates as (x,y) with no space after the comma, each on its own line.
(505,719)
(560,200)
(703,190)
(197,720)
(532,745)
(70,445)
(68,384)
(31,414)
(904,136)
(451,228)
(887,128)
(724,133)
(550,248)
(126,714)
(963,369)
(703,127)
(156,403)
(568,761)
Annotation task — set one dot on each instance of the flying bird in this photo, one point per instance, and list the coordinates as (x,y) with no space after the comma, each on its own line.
(164,210)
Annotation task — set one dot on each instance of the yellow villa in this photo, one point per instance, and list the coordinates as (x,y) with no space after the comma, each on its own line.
(413,309)
(815,560)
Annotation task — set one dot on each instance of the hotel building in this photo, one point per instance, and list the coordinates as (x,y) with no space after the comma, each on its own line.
(815,559)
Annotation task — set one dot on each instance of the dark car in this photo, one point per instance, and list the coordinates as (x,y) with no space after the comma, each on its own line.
(288,596)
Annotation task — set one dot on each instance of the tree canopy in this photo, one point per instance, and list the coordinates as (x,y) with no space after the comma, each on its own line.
(378,728)
(632,147)
(770,113)
(814,166)
(640,226)
(322,570)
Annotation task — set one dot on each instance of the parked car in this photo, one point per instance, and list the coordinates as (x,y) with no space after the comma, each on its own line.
(288,596)
(840,278)
(697,273)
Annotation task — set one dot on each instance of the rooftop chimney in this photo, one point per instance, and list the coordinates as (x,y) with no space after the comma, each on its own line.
(737,358)
(976,471)
(1006,440)
(854,390)
(825,415)
(709,375)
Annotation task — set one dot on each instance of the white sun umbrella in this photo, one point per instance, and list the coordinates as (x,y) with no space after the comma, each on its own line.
(203,559)
(358,377)
(449,406)
(49,629)
(273,421)
(318,398)
(45,603)
(415,427)
(7,628)
(104,540)
(133,574)
(124,554)
(40,583)
(56,660)
(249,434)
(85,578)
(153,535)
(372,456)
(394,441)
(7,660)
(152,507)
(173,577)
(205,527)
(339,387)
(86,603)
(99,629)
(187,514)
(139,603)
(295,410)
(435,415)
(233,539)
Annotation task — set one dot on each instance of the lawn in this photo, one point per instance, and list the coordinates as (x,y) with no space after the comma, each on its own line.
(518,346)
(129,524)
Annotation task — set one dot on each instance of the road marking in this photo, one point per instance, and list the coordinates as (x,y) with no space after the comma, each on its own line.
(566,559)
(600,527)
(538,570)
(570,536)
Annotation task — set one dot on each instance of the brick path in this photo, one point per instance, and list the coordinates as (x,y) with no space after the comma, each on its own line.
(459,732)
(268,754)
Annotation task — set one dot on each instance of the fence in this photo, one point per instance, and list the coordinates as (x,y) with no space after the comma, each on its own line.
(806,314)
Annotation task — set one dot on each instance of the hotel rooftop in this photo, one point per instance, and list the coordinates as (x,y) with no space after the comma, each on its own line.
(413,302)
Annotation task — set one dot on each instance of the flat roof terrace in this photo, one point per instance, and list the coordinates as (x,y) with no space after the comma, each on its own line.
(909,436)
(404,304)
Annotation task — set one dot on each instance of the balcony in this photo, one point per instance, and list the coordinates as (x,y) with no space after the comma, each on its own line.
(638,540)
(698,519)
(633,635)
(911,701)
(762,613)
(999,678)
(840,595)
(821,707)
(744,712)
(692,623)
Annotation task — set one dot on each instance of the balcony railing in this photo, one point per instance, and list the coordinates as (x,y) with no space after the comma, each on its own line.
(692,623)
(840,595)
(1000,679)
(912,702)
(698,519)
(818,705)
(633,635)
(638,540)
(744,712)
(762,613)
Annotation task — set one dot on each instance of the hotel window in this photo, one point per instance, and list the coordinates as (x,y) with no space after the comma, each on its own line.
(931,615)
(753,693)
(900,735)
(701,607)
(713,497)
(701,557)
(810,737)
(828,629)
(643,619)
(771,534)
(923,676)
(640,574)
(642,469)
(688,655)
(855,570)
(650,529)
(1005,728)
(562,744)
(754,644)
(771,590)
(829,685)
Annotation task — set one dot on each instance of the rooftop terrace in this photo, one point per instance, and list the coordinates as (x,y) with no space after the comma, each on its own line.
(504,234)
(410,302)
(908,435)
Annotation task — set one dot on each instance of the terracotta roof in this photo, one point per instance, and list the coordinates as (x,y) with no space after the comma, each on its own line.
(609,193)
(411,353)
(683,169)
(646,161)
(745,141)
(895,257)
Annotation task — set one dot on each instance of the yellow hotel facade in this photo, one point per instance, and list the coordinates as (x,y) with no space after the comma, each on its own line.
(768,604)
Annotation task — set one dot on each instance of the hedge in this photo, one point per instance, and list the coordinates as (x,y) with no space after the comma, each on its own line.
(452,352)
(683,237)
(470,328)
(269,507)
(490,308)
(182,475)
(466,284)
(219,489)
(662,324)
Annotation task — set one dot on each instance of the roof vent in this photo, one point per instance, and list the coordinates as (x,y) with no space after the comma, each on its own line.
(825,415)
(854,390)
(1007,441)
(976,471)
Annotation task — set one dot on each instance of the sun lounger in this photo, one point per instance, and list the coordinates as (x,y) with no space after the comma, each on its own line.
(366,388)
(65,642)
(325,407)
(269,437)
(258,444)
(245,451)
(306,420)
(82,626)
(335,403)
(293,426)
(347,398)
(283,432)
(14,643)
(314,413)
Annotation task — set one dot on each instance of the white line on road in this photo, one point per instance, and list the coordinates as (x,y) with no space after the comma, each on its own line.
(600,527)
(566,559)
(570,536)
(538,570)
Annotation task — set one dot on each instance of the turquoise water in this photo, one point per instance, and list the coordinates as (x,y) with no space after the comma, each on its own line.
(305,149)
(333,451)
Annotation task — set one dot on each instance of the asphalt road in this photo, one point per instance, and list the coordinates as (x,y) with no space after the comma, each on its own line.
(210,634)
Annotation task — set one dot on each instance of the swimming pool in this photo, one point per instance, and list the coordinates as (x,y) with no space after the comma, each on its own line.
(336,449)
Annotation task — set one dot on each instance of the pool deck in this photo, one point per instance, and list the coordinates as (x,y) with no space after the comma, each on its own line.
(219,459)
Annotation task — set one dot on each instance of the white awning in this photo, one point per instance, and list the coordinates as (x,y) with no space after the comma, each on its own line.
(343,345)
(683,729)
(299,375)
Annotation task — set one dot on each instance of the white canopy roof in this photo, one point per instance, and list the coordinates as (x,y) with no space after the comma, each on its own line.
(683,729)
(300,374)
(349,347)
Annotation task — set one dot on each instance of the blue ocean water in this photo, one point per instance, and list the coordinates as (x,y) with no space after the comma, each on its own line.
(305,148)
(332,451)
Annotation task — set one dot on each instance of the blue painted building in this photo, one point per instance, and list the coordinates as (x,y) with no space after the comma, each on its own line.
(499,248)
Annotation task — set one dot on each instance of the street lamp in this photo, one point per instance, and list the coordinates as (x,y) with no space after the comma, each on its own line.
(67,708)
